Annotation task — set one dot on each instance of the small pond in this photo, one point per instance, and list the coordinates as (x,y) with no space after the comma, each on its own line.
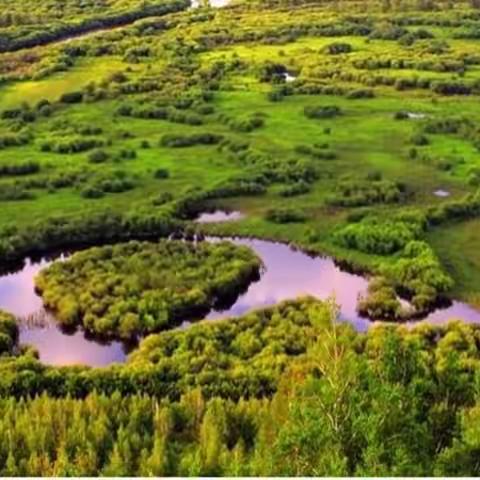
(218,216)
(213,3)
(441,193)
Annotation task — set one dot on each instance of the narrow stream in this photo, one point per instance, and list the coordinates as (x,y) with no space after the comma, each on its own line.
(288,274)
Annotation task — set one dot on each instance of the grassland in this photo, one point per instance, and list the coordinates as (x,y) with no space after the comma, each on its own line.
(217,55)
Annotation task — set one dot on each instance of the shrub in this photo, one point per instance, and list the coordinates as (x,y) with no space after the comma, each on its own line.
(12,192)
(179,141)
(360,93)
(98,156)
(72,97)
(297,188)
(24,168)
(358,193)
(337,48)
(161,173)
(318,112)
(183,280)
(381,301)
(162,199)
(379,237)
(285,215)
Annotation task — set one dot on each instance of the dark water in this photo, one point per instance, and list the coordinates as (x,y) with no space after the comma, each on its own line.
(288,273)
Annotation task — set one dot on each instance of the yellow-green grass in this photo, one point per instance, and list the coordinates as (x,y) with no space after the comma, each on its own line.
(458,248)
(51,88)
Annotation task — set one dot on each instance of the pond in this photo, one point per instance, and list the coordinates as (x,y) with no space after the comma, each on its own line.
(218,216)
(287,274)
(212,3)
(441,193)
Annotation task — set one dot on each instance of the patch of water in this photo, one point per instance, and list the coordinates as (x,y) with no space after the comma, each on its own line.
(288,273)
(441,193)
(211,3)
(289,78)
(218,216)
(416,116)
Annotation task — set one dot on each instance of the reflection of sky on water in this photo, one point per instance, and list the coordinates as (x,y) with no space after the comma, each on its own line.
(58,348)
(219,216)
(17,295)
(213,3)
(288,274)
(457,311)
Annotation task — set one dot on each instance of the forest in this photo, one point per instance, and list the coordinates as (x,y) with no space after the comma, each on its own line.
(391,402)
(146,146)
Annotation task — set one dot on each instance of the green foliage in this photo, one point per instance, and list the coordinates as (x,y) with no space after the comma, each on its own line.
(419,273)
(8,334)
(285,215)
(137,288)
(322,111)
(378,236)
(357,193)
(389,401)
(381,301)
(178,141)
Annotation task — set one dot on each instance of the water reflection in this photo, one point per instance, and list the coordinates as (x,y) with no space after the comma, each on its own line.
(211,3)
(291,273)
(287,274)
(56,347)
(218,216)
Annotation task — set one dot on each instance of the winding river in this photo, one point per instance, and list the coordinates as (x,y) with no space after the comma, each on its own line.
(287,274)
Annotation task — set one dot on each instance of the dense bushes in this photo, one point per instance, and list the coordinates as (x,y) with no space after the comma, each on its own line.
(59,30)
(8,334)
(244,125)
(72,97)
(381,301)
(337,48)
(137,288)
(12,192)
(23,168)
(95,228)
(116,182)
(419,272)
(98,156)
(295,189)
(13,140)
(285,215)
(379,237)
(358,193)
(318,151)
(72,144)
(414,389)
(179,141)
(464,209)
(321,111)
(160,113)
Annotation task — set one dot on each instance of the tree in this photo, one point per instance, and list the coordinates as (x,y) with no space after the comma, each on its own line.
(212,437)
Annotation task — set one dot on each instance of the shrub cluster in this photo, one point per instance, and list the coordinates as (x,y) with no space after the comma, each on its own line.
(180,141)
(137,288)
(285,215)
(358,193)
(322,111)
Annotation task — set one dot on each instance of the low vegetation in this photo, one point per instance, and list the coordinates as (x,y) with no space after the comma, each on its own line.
(137,288)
